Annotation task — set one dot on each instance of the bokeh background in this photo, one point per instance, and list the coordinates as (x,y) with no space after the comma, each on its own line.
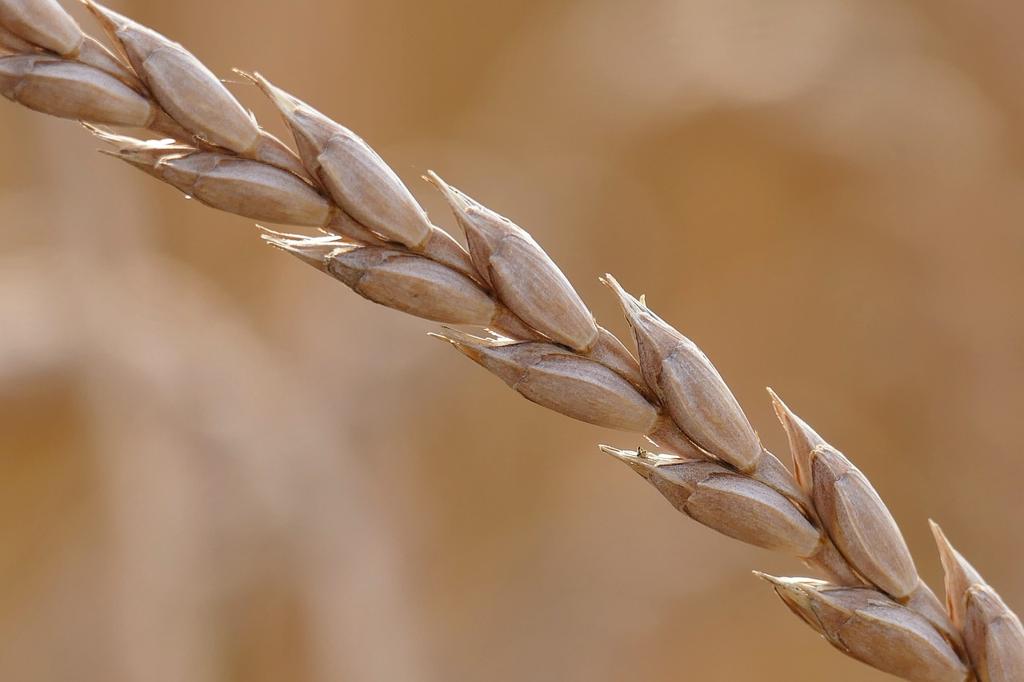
(218,464)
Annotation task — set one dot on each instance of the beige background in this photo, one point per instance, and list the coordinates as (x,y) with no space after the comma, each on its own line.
(217,464)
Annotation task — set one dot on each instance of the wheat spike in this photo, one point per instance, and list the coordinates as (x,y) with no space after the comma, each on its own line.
(536,333)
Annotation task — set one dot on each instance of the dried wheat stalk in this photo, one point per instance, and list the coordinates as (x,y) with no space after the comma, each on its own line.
(540,337)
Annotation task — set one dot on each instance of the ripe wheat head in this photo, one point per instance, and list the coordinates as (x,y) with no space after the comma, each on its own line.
(534,332)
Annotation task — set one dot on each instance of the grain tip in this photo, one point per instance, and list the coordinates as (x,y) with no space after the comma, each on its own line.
(316,251)
(285,103)
(108,19)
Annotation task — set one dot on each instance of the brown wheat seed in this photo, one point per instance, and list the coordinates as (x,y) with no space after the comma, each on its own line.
(539,336)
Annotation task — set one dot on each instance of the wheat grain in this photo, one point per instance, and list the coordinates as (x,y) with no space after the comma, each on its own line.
(873,628)
(544,341)
(993,633)
(42,23)
(190,93)
(728,502)
(71,89)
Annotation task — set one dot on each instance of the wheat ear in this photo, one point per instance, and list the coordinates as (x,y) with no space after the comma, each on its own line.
(539,336)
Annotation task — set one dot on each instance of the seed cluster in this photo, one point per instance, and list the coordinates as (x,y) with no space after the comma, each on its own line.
(533,331)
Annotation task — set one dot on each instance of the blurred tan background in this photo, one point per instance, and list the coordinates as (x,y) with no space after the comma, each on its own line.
(218,464)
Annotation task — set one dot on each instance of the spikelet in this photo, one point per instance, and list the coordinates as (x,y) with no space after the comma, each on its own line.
(522,274)
(727,502)
(860,523)
(360,182)
(73,90)
(562,381)
(228,183)
(872,628)
(397,279)
(44,23)
(993,634)
(191,94)
(690,387)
